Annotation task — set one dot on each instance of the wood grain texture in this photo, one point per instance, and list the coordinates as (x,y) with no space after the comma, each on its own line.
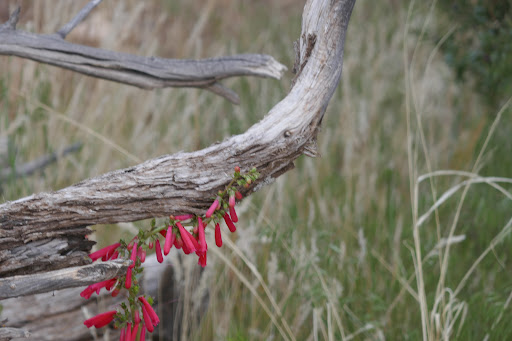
(186,182)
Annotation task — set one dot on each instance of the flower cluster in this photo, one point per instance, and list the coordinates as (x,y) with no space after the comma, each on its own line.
(175,233)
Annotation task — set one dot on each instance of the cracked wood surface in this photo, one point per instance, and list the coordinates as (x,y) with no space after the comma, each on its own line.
(186,182)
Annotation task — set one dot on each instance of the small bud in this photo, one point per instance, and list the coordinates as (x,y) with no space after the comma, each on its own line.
(212,208)
(238,195)
(237,169)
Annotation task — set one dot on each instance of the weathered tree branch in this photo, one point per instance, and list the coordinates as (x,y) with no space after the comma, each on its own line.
(186,182)
(59,279)
(143,72)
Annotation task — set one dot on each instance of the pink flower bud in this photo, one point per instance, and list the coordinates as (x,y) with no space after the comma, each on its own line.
(150,245)
(184,217)
(158,251)
(169,240)
(133,256)
(232,201)
(212,208)
(128,282)
(238,195)
(218,237)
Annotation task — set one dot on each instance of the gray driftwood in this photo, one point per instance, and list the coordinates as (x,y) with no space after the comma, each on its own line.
(143,72)
(186,182)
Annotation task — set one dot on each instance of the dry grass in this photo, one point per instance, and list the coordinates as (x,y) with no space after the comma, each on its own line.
(371,241)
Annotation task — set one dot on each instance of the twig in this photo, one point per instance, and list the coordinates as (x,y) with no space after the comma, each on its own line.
(143,72)
(41,162)
(84,12)
(13,20)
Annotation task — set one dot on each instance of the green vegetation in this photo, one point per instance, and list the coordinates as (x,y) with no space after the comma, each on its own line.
(333,239)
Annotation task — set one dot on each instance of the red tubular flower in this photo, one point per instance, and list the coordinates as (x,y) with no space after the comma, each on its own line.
(187,238)
(128,282)
(184,217)
(178,242)
(122,337)
(106,252)
(202,240)
(100,320)
(128,332)
(203,247)
(108,284)
(238,195)
(233,215)
(147,320)
(150,245)
(218,237)
(229,222)
(133,256)
(158,251)
(136,317)
(202,259)
(212,208)
(134,332)
(153,316)
(142,334)
(169,240)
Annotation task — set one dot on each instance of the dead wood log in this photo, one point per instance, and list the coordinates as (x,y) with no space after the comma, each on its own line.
(59,314)
(186,182)
(140,71)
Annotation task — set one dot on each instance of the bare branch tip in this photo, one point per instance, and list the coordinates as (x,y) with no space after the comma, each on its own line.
(77,19)
(221,90)
(13,19)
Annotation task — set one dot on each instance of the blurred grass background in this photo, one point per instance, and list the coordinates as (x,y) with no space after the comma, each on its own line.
(333,240)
